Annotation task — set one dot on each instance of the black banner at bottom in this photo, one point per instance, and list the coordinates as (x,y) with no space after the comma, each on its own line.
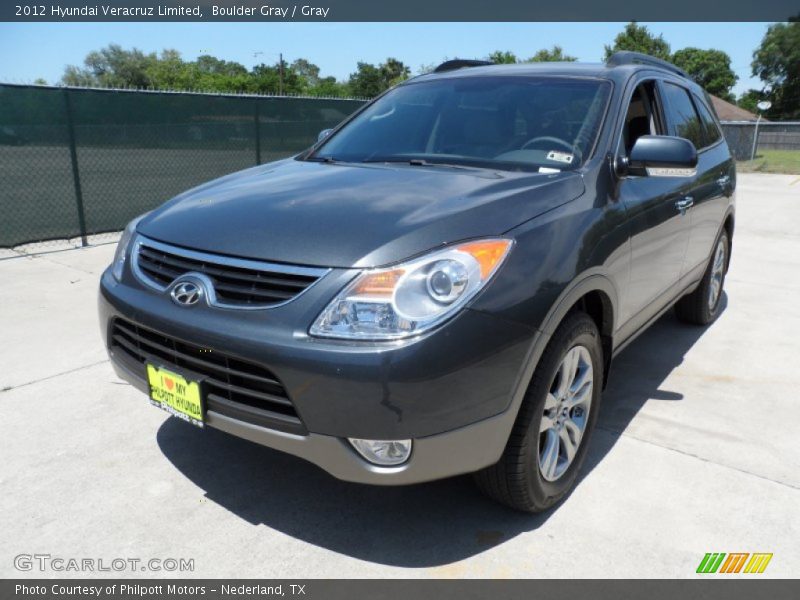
(713,588)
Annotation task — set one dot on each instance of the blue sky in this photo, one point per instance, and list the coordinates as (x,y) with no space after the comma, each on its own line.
(32,50)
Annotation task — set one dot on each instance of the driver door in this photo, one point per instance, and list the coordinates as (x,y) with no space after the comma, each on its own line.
(658,231)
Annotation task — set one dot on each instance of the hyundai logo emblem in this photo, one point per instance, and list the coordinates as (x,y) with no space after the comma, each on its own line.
(186,293)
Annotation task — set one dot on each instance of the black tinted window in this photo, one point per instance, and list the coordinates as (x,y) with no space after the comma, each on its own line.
(712,131)
(499,122)
(682,116)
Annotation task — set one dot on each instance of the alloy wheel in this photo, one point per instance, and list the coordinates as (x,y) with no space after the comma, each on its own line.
(717,273)
(566,413)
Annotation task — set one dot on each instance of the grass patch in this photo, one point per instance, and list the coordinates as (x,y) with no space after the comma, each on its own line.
(772,161)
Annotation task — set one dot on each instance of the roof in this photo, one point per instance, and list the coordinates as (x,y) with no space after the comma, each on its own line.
(618,73)
(522,69)
(730,112)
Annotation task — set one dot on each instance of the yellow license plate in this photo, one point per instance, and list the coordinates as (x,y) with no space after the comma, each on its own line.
(175,394)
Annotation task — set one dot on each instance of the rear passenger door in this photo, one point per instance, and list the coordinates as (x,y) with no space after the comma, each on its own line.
(689,117)
(717,174)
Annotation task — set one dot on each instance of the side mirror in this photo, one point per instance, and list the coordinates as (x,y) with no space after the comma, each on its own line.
(661,156)
(323,134)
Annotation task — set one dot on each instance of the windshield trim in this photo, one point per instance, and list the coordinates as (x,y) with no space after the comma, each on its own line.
(310,153)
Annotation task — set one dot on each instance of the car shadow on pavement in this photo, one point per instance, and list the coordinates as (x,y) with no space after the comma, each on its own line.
(424,525)
(637,376)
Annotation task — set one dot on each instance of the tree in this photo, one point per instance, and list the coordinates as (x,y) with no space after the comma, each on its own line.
(169,71)
(366,81)
(393,72)
(307,71)
(555,54)
(502,57)
(777,63)
(266,79)
(710,68)
(637,38)
(211,65)
(113,66)
(328,86)
(210,73)
(370,81)
(116,67)
(78,77)
(750,99)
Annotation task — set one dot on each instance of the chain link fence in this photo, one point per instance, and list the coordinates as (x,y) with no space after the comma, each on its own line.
(76,163)
(781,136)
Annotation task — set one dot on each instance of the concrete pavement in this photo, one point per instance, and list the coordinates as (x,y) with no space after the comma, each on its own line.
(696,450)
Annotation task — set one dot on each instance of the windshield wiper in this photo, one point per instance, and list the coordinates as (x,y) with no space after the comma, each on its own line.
(325,159)
(420,162)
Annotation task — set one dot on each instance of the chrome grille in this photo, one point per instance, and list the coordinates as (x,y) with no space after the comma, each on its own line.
(237,283)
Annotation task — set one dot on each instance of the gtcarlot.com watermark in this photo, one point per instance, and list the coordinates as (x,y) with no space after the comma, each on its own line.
(59,564)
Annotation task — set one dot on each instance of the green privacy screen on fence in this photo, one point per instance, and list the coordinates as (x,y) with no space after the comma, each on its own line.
(75,162)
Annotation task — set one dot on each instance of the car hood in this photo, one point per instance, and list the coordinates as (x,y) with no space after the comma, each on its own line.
(352,215)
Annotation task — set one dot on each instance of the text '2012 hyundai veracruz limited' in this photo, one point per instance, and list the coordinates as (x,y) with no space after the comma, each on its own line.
(439,285)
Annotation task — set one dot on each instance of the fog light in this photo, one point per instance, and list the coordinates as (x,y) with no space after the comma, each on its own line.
(383,452)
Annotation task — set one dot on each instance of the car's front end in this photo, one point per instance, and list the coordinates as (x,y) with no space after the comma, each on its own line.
(384,411)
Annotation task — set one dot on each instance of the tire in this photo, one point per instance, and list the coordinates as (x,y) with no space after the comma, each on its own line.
(519,478)
(701,307)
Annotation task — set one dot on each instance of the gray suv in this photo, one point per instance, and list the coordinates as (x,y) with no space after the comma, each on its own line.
(439,285)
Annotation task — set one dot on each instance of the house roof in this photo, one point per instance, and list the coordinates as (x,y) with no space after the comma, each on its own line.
(730,112)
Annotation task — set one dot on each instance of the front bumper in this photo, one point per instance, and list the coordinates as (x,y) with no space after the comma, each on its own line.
(453,391)
(463,450)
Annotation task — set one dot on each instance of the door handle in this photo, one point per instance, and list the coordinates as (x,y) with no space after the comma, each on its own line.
(684,204)
(724,180)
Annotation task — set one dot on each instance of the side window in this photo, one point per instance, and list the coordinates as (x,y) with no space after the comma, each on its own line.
(641,117)
(682,116)
(712,130)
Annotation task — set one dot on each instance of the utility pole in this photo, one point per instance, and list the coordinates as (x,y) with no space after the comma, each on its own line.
(280,75)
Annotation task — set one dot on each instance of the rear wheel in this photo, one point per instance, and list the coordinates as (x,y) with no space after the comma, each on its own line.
(702,306)
(548,443)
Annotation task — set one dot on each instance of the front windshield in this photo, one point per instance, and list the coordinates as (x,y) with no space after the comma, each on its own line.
(514,123)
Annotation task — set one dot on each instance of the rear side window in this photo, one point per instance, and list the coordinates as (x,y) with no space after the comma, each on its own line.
(681,115)
(712,131)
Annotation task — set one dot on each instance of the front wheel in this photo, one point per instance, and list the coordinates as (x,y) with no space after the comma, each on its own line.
(702,306)
(548,444)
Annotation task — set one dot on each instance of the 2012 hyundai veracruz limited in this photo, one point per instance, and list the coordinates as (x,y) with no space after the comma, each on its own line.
(438,286)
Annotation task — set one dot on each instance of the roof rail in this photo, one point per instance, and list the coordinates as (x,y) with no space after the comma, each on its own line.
(460,63)
(637,58)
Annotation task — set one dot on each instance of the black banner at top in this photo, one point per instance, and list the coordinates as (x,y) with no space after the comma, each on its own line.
(400,10)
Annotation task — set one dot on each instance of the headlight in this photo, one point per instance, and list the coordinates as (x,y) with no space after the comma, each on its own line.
(122,248)
(413,297)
